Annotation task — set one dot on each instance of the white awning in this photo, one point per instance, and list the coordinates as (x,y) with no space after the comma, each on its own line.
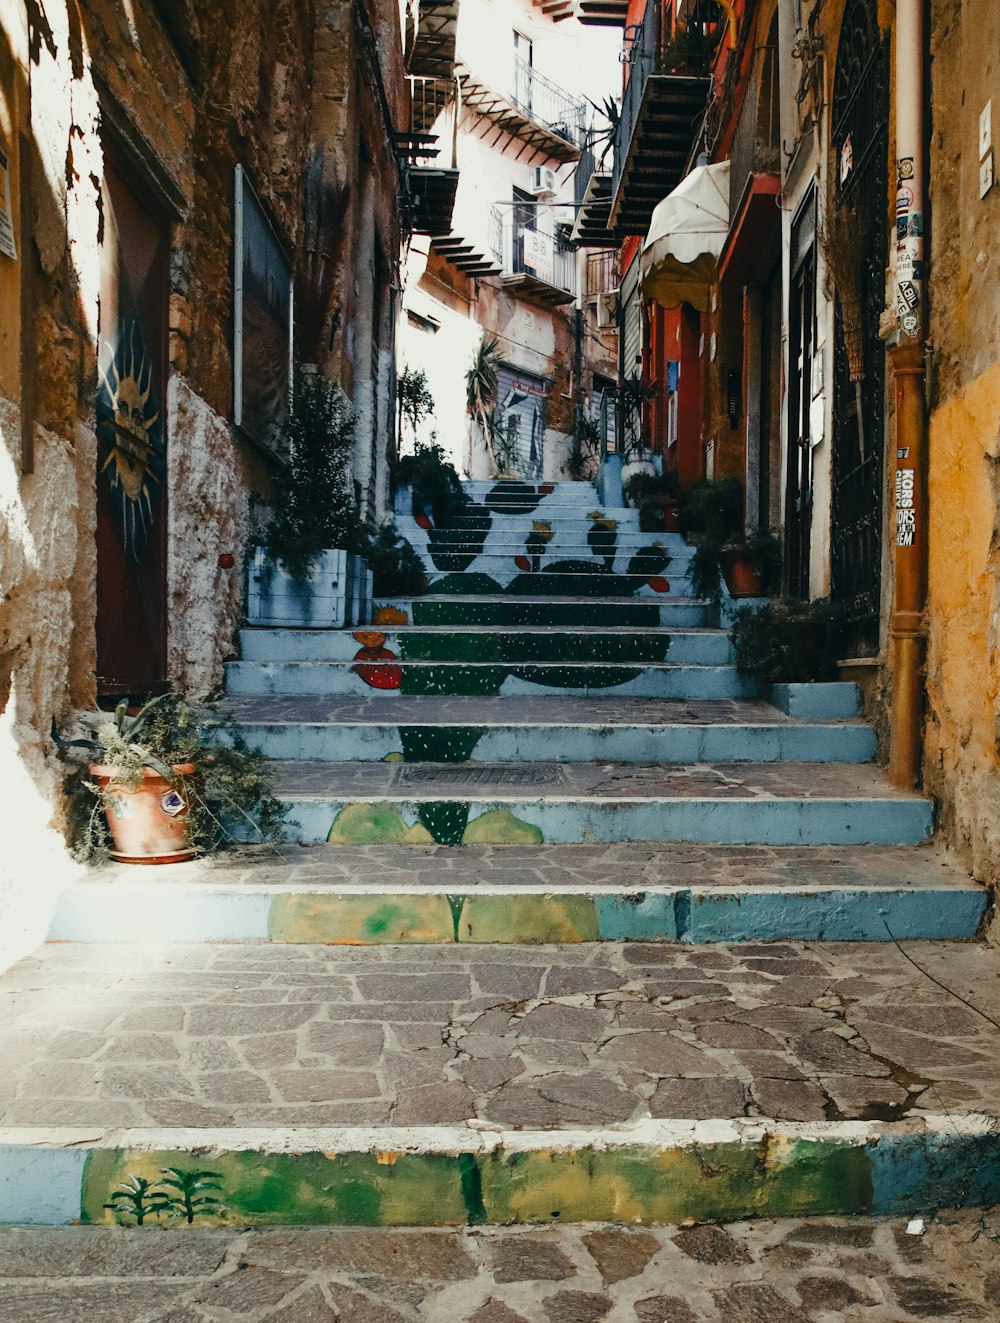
(686,236)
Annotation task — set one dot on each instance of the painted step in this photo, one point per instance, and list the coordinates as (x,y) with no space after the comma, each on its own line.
(511,730)
(375,895)
(576,583)
(727,803)
(461,1085)
(639,679)
(444,642)
(456,608)
(504,566)
(565,541)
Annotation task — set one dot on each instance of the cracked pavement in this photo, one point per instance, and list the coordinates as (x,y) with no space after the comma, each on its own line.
(830,1270)
(514,1037)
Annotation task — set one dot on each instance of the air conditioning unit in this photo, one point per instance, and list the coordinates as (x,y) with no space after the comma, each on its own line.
(543,183)
(607,308)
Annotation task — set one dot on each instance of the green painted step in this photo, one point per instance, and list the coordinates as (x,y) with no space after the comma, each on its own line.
(639,678)
(471,608)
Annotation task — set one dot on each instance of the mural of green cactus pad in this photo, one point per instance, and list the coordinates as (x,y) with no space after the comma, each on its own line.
(452,679)
(522,919)
(445,820)
(602,538)
(365,920)
(463,585)
(439,744)
(513,498)
(648,562)
(283,1189)
(454,549)
(500,827)
(375,824)
(571,578)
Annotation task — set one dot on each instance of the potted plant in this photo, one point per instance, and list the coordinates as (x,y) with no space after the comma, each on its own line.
(632,397)
(166,783)
(306,573)
(657,497)
(752,565)
(788,641)
(713,510)
(434,485)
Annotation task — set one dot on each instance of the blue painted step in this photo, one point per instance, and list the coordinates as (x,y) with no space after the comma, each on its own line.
(773,804)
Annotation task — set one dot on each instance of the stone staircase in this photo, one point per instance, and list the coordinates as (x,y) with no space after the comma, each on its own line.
(575,927)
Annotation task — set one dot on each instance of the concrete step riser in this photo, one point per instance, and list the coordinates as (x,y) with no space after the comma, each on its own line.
(460,611)
(678,682)
(710,649)
(704,1171)
(492,915)
(724,821)
(568,744)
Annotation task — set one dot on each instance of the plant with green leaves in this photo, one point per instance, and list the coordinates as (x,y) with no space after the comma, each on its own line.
(481,381)
(138,1198)
(585,448)
(788,641)
(397,569)
(229,794)
(433,482)
(313,506)
(190,1193)
(413,399)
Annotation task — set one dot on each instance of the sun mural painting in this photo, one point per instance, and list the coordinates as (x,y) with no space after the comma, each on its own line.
(128,422)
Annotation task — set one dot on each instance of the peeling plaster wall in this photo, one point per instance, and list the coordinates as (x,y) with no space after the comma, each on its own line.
(209,516)
(962,751)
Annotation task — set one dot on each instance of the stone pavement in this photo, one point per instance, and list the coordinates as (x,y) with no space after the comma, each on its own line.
(858,1270)
(595,1036)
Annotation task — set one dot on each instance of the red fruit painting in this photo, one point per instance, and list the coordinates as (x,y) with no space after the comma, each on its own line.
(423,521)
(378,667)
(523,563)
(659,584)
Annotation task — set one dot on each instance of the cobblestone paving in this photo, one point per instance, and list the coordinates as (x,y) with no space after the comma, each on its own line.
(541,1037)
(829,1271)
(487,710)
(633,865)
(365,781)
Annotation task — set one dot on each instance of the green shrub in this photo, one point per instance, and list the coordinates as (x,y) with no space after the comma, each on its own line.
(432,479)
(714,507)
(396,567)
(788,641)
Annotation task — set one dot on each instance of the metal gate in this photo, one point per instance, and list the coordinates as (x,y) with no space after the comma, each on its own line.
(861,146)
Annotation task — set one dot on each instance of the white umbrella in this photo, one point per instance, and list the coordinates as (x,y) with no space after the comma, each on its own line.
(687,233)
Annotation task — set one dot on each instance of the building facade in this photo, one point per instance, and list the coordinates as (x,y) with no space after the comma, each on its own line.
(193,194)
(505,270)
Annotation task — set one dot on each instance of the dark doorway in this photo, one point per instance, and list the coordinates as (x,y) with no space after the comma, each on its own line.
(801,349)
(131,442)
(860,142)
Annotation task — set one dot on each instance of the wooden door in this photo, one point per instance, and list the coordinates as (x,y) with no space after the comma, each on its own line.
(131,443)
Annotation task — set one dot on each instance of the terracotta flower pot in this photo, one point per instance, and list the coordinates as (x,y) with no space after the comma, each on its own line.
(149,824)
(744,575)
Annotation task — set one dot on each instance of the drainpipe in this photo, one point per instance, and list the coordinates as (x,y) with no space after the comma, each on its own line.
(907,625)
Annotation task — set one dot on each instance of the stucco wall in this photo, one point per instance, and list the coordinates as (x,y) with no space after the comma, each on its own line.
(962,754)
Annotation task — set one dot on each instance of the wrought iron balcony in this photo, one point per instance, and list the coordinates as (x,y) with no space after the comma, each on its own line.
(431,29)
(538,262)
(662,109)
(603,273)
(429,153)
(536,110)
(592,196)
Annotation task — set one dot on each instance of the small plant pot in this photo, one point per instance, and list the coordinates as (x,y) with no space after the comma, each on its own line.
(148,824)
(744,575)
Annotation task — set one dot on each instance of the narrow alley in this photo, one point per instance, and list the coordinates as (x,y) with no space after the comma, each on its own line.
(498,668)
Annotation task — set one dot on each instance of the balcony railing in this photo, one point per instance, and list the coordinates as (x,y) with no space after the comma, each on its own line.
(650,50)
(757,141)
(547,103)
(585,169)
(603,272)
(432,121)
(540,254)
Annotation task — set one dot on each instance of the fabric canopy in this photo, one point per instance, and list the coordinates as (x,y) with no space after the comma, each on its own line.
(686,236)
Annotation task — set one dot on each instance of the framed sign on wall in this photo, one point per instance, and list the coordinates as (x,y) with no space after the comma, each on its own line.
(263,319)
